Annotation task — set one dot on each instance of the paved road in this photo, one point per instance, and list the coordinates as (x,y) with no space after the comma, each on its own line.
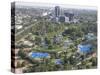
(26,28)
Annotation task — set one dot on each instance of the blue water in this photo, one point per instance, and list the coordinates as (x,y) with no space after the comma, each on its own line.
(85,48)
(39,55)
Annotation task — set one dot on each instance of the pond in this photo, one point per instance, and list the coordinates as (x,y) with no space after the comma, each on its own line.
(39,55)
(85,48)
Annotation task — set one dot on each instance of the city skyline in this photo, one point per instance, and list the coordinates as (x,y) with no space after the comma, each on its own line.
(52,40)
(18,3)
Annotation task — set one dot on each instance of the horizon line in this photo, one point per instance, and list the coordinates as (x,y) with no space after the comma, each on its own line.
(54,4)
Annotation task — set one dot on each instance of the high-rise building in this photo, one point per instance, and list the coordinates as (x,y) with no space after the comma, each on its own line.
(70,15)
(62,19)
(57,11)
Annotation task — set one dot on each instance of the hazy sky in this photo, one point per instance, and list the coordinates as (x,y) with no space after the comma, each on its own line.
(53,5)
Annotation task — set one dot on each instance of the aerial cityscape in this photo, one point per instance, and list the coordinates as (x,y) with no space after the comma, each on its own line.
(52,38)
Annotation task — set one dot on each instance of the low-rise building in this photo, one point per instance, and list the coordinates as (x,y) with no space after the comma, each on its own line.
(90,36)
(67,43)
